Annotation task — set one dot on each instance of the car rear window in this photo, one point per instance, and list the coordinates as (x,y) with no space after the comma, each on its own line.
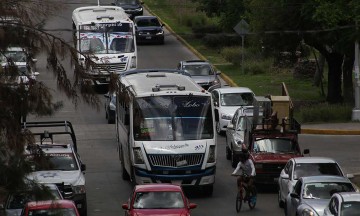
(312,169)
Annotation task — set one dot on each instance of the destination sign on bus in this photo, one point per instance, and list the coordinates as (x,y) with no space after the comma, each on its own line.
(118,26)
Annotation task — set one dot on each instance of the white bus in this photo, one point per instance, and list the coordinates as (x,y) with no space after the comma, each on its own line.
(107,35)
(165,129)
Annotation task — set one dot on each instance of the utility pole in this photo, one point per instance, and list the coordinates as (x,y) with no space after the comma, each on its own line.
(356,110)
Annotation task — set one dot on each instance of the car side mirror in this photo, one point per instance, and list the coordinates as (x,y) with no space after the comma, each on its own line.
(107,95)
(283,175)
(34,60)
(230,126)
(216,103)
(218,72)
(162,25)
(125,206)
(192,205)
(306,151)
(83,167)
(294,195)
(36,73)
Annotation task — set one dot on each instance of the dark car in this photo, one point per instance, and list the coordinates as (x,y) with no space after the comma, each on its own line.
(131,7)
(149,30)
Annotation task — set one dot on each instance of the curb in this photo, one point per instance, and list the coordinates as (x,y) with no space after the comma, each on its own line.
(329,131)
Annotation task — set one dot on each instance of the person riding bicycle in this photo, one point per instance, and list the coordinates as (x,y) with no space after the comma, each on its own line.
(245,165)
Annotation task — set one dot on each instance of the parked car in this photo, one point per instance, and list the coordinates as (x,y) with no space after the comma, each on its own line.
(311,194)
(158,199)
(226,101)
(110,107)
(15,202)
(50,207)
(343,204)
(131,7)
(149,29)
(202,72)
(305,166)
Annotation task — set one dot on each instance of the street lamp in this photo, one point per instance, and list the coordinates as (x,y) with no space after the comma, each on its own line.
(356,110)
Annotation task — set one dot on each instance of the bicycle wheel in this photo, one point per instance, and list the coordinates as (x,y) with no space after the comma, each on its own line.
(252,198)
(239,200)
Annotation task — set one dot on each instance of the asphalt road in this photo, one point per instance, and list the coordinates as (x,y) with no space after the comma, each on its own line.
(106,190)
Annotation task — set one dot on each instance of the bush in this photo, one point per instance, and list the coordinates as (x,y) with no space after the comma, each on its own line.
(257,67)
(324,113)
(222,40)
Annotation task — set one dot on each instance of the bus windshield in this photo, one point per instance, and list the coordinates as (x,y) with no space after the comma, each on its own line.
(167,118)
(107,38)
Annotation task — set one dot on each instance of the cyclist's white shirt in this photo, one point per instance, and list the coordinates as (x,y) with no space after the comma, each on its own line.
(248,167)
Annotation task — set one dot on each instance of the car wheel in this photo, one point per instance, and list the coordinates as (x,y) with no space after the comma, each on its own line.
(228,153)
(218,128)
(281,203)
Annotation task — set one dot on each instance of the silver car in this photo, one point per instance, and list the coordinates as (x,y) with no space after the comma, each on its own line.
(311,194)
(202,72)
(343,204)
(305,166)
(15,202)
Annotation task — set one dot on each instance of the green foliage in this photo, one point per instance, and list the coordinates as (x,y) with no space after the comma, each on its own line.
(324,113)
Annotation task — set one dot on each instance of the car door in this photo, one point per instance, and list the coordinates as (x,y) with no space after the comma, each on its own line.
(295,198)
(215,96)
(231,133)
(284,178)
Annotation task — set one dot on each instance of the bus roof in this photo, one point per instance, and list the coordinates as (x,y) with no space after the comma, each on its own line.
(98,14)
(146,82)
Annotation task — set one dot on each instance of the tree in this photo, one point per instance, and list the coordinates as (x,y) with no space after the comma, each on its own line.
(229,11)
(328,26)
(21,24)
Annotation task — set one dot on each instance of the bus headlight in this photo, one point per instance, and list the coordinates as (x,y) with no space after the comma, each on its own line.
(79,189)
(211,158)
(138,158)
(133,62)
(226,116)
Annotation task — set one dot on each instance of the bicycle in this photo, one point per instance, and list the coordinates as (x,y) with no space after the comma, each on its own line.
(250,199)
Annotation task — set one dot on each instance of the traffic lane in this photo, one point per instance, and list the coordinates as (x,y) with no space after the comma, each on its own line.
(344,149)
(222,202)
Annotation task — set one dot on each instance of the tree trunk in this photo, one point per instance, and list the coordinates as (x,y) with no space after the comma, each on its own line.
(347,79)
(334,61)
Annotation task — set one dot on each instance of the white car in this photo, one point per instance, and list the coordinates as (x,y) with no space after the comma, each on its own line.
(305,166)
(226,101)
(343,204)
(21,59)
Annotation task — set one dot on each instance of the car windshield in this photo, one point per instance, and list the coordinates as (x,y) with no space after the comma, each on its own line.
(158,200)
(127,2)
(15,56)
(165,118)
(350,208)
(53,212)
(144,22)
(313,169)
(19,199)
(237,99)
(275,145)
(324,190)
(55,161)
(198,70)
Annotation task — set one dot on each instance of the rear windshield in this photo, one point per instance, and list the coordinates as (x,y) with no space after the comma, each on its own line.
(312,169)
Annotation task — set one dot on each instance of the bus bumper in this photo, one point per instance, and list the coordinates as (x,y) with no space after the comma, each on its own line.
(204,177)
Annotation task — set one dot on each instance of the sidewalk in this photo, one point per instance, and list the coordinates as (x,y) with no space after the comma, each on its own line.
(351,128)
